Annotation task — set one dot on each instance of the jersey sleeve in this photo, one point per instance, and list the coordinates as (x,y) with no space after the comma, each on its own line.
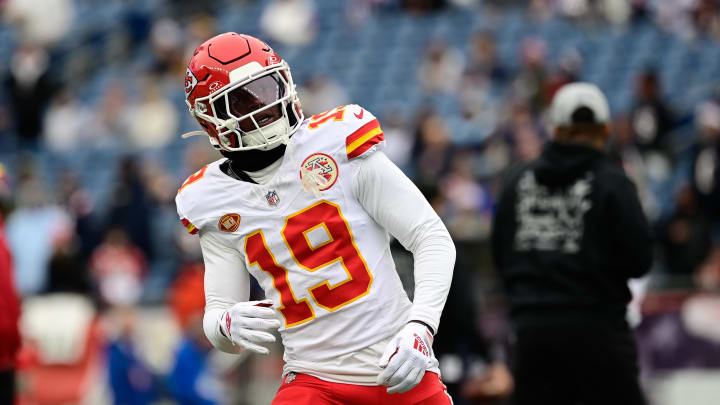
(181,211)
(183,201)
(395,203)
(226,283)
(365,136)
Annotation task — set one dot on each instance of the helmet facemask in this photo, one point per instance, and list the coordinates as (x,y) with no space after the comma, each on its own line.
(257,112)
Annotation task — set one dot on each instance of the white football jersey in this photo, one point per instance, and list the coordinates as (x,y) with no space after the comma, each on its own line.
(324,261)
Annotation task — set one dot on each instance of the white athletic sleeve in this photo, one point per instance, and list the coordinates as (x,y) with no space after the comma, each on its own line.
(394,202)
(227,282)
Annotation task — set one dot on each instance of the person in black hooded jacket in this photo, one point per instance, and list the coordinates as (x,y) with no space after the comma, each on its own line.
(568,234)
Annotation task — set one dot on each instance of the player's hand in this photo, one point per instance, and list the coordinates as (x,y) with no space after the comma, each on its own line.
(245,322)
(405,359)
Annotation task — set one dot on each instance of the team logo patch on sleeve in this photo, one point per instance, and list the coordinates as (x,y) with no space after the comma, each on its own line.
(229,222)
(323,165)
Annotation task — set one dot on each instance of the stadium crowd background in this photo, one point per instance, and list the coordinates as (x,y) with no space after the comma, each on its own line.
(92,106)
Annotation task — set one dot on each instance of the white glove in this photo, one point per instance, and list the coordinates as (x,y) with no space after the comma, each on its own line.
(243,323)
(406,357)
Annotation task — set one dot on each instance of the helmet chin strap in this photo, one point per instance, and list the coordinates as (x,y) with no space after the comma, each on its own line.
(268,137)
(192,133)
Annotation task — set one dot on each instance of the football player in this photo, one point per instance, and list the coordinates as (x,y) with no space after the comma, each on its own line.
(306,206)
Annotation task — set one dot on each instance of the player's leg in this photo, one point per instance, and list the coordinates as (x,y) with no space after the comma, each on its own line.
(301,389)
(430,391)
(440,398)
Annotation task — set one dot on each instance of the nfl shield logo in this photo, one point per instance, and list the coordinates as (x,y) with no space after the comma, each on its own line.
(272,198)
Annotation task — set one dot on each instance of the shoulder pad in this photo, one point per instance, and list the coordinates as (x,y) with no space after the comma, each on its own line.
(358,126)
(180,204)
(193,178)
(364,138)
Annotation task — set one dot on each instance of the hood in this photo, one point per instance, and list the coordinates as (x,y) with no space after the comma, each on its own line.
(560,164)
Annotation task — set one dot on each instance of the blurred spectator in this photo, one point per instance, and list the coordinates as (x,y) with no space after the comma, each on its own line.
(650,117)
(201,27)
(529,84)
(468,201)
(706,166)
(540,10)
(399,139)
(522,132)
(617,12)
(66,123)
(320,93)
(422,6)
(483,74)
(29,88)
(191,380)
(78,202)
(153,122)
(111,119)
(137,22)
(441,68)
(562,221)
(706,18)
(479,110)
(623,150)
(360,11)
(465,3)
(674,16)
(131,380)
(5,192)
(167,41)
(39,220)
(685,240)
(131,206)
(163,268)
(470,368)
(567,71)
(483,63)
(289,22)
(707,277)
(432,151)
(495,157)
(41,22)
(118,268)
(66,269)
(183,8)
(9,310)
(186,296)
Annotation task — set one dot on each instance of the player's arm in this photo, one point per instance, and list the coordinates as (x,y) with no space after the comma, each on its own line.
(396,204)
(231,323)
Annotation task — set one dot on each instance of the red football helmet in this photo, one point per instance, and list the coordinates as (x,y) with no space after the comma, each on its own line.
(241,93)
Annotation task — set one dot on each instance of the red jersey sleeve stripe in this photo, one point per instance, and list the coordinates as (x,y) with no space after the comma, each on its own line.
(366,145)
(361,131)
(190,227)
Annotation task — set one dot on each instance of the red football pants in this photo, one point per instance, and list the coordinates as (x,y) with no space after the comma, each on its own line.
(309,390)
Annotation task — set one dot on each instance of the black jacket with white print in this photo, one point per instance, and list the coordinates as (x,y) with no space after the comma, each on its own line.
(568,233)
